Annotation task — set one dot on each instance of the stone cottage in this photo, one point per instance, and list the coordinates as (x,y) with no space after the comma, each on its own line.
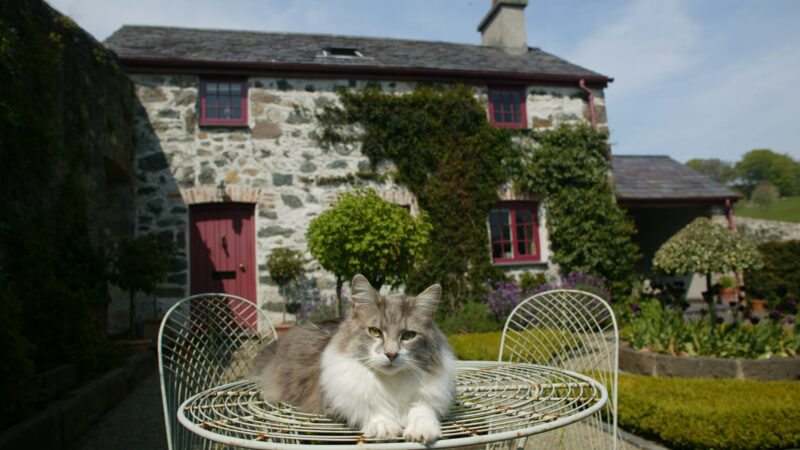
(228,163)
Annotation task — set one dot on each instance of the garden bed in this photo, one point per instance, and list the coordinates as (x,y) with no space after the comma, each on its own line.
(656,364)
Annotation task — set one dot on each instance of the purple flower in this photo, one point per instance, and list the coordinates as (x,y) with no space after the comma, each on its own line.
(775,314)
(635,306)
(790,320)
(747,314)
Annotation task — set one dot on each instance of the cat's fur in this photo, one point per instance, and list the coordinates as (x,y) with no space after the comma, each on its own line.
(386,385)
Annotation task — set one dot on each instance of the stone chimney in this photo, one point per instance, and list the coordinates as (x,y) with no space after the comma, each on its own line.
(504,26)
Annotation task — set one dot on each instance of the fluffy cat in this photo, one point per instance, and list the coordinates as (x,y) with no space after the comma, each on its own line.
(385,368)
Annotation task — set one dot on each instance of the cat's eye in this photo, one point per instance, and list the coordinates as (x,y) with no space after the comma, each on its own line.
(408,335)
(374,332)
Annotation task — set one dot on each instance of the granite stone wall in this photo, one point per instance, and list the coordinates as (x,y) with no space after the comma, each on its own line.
(275,163)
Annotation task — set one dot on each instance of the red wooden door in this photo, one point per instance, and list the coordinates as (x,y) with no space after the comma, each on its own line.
(222,246)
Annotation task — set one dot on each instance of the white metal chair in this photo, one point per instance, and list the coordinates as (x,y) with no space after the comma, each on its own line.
(572,330)
(206,340)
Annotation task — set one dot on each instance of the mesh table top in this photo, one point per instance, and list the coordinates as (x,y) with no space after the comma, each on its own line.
(496,401)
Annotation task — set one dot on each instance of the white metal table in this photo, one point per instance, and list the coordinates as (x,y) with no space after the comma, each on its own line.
(496,402)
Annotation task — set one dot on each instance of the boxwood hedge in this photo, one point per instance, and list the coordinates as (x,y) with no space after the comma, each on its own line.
(689,413)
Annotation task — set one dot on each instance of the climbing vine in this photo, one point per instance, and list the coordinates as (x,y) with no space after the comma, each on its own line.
(453,161)
(588,231)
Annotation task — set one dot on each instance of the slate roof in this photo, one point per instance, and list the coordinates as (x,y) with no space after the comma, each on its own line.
(155,43)
(660,178)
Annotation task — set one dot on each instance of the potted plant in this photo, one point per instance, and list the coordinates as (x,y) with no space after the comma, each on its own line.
(140,264)
(285,265)
(707,248)
(727,286)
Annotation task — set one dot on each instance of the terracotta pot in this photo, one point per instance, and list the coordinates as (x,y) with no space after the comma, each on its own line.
(758,305)
(728,295)
(283,328)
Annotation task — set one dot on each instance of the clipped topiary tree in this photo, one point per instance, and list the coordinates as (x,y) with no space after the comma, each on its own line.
(140,264)
(707,248)
(284,266)
(362,233)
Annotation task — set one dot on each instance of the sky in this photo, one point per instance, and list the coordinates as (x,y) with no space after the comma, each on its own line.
(692,78)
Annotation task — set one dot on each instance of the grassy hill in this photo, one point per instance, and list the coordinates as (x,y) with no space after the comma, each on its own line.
(786,209)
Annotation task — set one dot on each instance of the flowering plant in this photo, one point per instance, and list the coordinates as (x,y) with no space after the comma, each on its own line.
(320,309)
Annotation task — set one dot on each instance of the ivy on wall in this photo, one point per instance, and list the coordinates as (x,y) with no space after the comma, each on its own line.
(588,231)
(453,161)
(54,97)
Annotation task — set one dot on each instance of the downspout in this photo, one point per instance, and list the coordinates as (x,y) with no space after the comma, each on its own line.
(731,220)
(582,85)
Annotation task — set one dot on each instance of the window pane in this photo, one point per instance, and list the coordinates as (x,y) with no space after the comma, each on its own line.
(224,89)
(521,236)
(225,113)
(515,96)
(498,116)
(517,107)
(507,117)
(223,100)
(211,100)
(507,250)
(236,113)
(497,251)
(494,217)
(524,216)
(236,89)
(524,248)
(506,97)
(211,113)
(211,88)
(236,100)
(495,96)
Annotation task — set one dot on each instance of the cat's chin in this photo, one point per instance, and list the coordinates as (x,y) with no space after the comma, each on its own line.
(391,368)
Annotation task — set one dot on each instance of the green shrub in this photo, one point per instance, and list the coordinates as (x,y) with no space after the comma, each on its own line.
(285,265)
(704,413)
(485,346)
(779,279)
(529,281)
(476,346)
(472,317)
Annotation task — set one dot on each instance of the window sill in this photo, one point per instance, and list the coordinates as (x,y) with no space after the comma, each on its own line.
(519,263)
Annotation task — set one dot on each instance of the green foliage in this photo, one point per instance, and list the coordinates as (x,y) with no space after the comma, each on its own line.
(763,164)
(485,346)
(702,413)
(362,233)
(765,194)
(786,209)
(285,265)
(720,171)
(141,263)
(21,384)
(472,317)
(529,281)
(450,158)
(588,231)
(705,247)
(661,329)
(779,278)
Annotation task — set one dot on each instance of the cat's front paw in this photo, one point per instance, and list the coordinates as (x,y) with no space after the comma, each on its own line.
(423,429)
(382,428)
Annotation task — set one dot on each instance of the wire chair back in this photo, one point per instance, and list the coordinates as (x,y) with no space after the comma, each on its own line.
(572,330)
(206,340)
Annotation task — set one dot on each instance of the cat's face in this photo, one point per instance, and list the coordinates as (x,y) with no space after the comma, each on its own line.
(393,333)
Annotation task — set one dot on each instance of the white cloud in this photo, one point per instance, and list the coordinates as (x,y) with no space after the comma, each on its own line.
(649,42)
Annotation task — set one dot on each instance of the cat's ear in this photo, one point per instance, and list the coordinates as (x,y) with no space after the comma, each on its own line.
(364,296)
(425,303)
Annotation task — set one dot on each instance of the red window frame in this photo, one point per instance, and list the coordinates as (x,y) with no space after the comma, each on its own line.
(507,107)
(218,97)
(514,232)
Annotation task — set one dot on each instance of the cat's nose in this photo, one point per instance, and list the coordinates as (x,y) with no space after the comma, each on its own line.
(391,356)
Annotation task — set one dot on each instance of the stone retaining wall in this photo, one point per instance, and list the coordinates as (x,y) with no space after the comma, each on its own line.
(760,230)
(655,364)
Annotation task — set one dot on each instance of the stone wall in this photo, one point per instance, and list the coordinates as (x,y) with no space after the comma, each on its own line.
(760,230)
(275,163)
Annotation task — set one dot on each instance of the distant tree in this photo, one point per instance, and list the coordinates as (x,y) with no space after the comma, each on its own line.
(763,164)
(764,194)
(720,171)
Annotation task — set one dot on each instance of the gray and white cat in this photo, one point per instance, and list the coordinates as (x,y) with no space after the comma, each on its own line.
(385,368)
